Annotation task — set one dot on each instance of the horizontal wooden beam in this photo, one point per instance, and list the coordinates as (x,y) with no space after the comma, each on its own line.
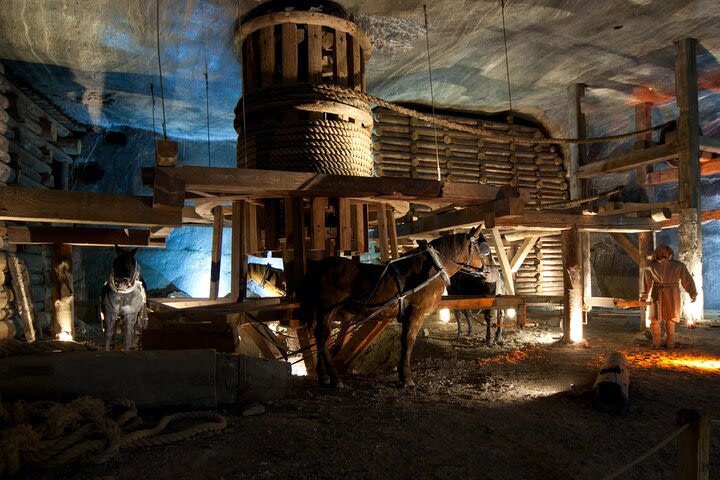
(82,236)
(706,216)
(37,205)
(269,184)
(585,223)
(471,216)
(629,161)
(670,175)
(709,144)
(462,302)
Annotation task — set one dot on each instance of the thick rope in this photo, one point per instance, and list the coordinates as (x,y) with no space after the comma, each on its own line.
(450,125)
(48,434)
(576,202)
(642,457)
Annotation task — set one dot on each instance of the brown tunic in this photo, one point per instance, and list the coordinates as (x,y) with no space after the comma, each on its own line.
(664,280)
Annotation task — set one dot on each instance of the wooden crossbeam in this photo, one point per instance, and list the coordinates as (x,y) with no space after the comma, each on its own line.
(37,205)
(504,263)
(264,183)
(670,175)
(624,208)
(587,223)
(629,161)
(462,302)
(706,216)
(467,217)
(87,237)
(628,245)
(522,253)
(709,144)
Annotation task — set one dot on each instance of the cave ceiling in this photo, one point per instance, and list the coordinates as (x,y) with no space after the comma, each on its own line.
(96,59)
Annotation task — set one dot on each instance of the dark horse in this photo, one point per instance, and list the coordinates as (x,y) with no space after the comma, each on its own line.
(407,289)
(492,284)
(123,298)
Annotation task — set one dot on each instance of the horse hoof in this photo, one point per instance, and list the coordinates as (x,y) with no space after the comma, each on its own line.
(407,384)
(325,380)
(339,385)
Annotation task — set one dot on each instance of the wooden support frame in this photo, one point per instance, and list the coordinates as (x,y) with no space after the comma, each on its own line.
(629,161)
(238,278)
(23,235)
(670,175)
(573,292)
(392,232)
(382,233)
(522,253)
(628,245)
(502,258)
(63,321)
(216,252)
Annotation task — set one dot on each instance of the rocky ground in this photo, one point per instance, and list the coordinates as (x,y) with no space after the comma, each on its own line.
(520,411)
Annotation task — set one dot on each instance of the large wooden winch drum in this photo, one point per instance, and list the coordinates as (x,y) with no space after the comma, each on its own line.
(284,120)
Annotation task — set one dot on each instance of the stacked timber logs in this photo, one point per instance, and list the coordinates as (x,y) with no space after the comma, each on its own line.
(541,271)
(7,297)
(409,148)
(36,150)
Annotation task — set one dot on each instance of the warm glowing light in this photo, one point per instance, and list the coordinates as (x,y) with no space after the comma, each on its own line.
(673,360)
(444,315)
(576,327)
(298,367)
(511,312)
(65,337)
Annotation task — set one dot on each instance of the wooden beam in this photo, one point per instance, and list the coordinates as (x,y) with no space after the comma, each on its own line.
(688,134)
(382,233)
(629,161)
(216,253)
(63,324)
(587,223)
(623,208)
(670,175)
(468,217)
(504,263)
(463,302)
(573,292)
(628,245)
(264,183)
(345,228)
(360,341)
(643,120)
(238,267)
(522,253)
(709,144)
(392,232)
(168,191)
(706,216)
(576,129)
(86,237)
(36,205)
(318,207)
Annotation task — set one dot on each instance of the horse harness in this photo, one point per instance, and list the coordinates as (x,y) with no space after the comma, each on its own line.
(434,257)
(135,281)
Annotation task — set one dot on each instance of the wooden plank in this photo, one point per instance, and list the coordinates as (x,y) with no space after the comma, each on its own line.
(345,228)
(318,208)
(522,253)
(358,214)
(341,59)
(23,298)
(468,217)
(587,223)
(624,208)
(238,267)
(464,302)
(266,39)
(382,233)
(709,144)
(670,175)
(573,286)
(314,49)
(354,63)
(251,76)
(27,204)
(360,340)
(628,245)
(576,129)
(264,183)
(693,446)
(22,235)
(216,254)
(250,228)
(289,53)
(504,263)
(168,191)
(392,232)
(643,120)
(63,324)
(629,161)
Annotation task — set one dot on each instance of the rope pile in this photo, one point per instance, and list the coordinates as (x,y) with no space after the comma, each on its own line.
(287,130)
(48,434)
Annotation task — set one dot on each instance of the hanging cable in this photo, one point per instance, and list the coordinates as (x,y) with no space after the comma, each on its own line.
(207,87)
(152,95)
(162,91)
(507,63)
(432,95)
(242,98)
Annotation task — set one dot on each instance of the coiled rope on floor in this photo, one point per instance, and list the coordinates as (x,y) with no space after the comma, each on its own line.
(47,434)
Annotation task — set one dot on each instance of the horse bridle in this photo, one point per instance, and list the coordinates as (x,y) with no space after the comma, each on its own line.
(473,247)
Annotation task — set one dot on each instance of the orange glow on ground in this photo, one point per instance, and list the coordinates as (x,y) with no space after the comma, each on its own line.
(674,360)
(515,356)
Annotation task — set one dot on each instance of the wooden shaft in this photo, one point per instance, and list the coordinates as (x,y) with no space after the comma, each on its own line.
(216,255)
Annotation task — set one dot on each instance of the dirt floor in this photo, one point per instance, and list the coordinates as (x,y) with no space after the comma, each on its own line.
(520,411)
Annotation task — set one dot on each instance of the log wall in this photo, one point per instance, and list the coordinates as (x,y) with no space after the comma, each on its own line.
(37,150)
(405,147)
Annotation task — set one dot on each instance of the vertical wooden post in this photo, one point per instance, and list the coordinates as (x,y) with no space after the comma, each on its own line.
(573,293)
(646,246)
(216,255)
(271,213)
(504,262)
(20,278)
(250,228)
(382,233)
(688,133)
(578,187)
(63,325)
(318,206)
(359,217)
(693,456)
(344,225)
(238,268)
(392,232)
(298,243)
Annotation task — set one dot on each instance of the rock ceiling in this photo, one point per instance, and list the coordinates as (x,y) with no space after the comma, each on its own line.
(97,58)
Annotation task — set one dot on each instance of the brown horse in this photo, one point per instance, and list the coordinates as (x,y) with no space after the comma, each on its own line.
(407,289)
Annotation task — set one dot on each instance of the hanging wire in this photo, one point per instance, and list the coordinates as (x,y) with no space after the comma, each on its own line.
(242,98)
(152,95)
(432,95)
(207,86)
(162,91)
(507,63)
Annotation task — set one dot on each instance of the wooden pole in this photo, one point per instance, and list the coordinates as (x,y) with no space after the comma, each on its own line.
(392,232)
(504,262)
(688,133)
(218,219)
(382,233)
(63,325)
(298,243)
(693,456)
(573,293)
(238,267)
(23,299)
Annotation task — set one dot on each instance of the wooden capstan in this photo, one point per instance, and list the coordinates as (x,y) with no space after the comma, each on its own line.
(284,121)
